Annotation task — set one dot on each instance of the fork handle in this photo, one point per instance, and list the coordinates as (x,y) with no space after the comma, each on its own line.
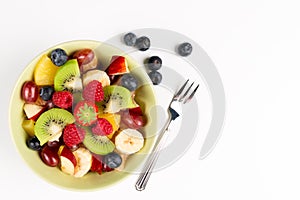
(151,161)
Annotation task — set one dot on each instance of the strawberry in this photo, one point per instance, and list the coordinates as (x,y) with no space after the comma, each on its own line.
(73,135)
(85,113)
(93,91)
(102,127)
(62,99)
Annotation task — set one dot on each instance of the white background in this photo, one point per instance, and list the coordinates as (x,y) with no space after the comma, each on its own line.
(255,46)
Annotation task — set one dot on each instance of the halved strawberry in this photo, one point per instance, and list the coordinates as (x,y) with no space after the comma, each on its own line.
(85,113)
(118,65)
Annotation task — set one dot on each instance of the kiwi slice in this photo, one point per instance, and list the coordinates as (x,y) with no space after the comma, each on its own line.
(97,144)
(68,78)
(51,124)
(117,98)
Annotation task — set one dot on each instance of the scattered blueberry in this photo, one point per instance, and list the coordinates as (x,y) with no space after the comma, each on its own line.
(154,63)
(155,77)
(185,49)
(129,39)
(113,160)
(58,57)
(142,43)
(33,143)
(129,81)
(46,92)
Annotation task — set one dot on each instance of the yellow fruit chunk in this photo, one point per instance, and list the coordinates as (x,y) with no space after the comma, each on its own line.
(44,71)
(28,126)
(114,119)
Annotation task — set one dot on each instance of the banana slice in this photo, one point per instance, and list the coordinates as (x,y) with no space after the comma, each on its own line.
(129,141)
(98,75)
(84,161)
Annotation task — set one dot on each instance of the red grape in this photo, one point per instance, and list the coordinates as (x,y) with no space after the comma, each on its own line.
(49,156)
(131,120)
(30,92)
(84,56)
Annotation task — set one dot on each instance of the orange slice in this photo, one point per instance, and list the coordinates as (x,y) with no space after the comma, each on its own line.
(44,71)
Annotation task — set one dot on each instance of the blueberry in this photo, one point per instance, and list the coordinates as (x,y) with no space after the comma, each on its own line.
(46,92)
(154,63)
(33,143)
(113,160)
(155,77)
(58,57)
(142,43)
(129,81)
(185,49)
(129,39)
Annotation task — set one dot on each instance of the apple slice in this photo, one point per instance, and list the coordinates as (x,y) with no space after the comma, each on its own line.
(33,111)
(68,160)
(118,66)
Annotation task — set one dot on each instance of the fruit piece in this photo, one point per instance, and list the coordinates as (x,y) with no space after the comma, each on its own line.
(155,77)
(62,99)
(33,111)
(132,119)
(142,43)
(86,59)
(68,77)
(185,49)
(73,135)
(154,63)
(29,92)
(98,144)
(68,160)
(118,65)
(33,143)
(54,145)
(102,127)
(95,74)
(28,126)
(49,156)
(58,57)
(117,98)
(84,161)
(85,113)
(51,124)
(44,71)
(129,141)
(46,92)
(93,91)
(112,160)
(96,164)
(129,81)
(129,39)
(114,119)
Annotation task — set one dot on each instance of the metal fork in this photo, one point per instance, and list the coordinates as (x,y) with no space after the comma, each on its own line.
(174,111)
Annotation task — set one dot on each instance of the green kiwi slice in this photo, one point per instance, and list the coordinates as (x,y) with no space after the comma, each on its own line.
(51,124)
(68,78)
(117,98)
(97,144)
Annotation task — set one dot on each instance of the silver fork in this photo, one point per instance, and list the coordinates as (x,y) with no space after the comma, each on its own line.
(174,111)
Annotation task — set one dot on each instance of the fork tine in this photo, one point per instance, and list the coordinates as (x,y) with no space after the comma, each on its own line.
(187,91)
(180,91)
(191,96)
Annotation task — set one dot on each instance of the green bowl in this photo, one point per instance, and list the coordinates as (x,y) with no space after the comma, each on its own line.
(92,181)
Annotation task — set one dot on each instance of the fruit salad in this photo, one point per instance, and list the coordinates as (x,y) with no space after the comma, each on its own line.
(82,117)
